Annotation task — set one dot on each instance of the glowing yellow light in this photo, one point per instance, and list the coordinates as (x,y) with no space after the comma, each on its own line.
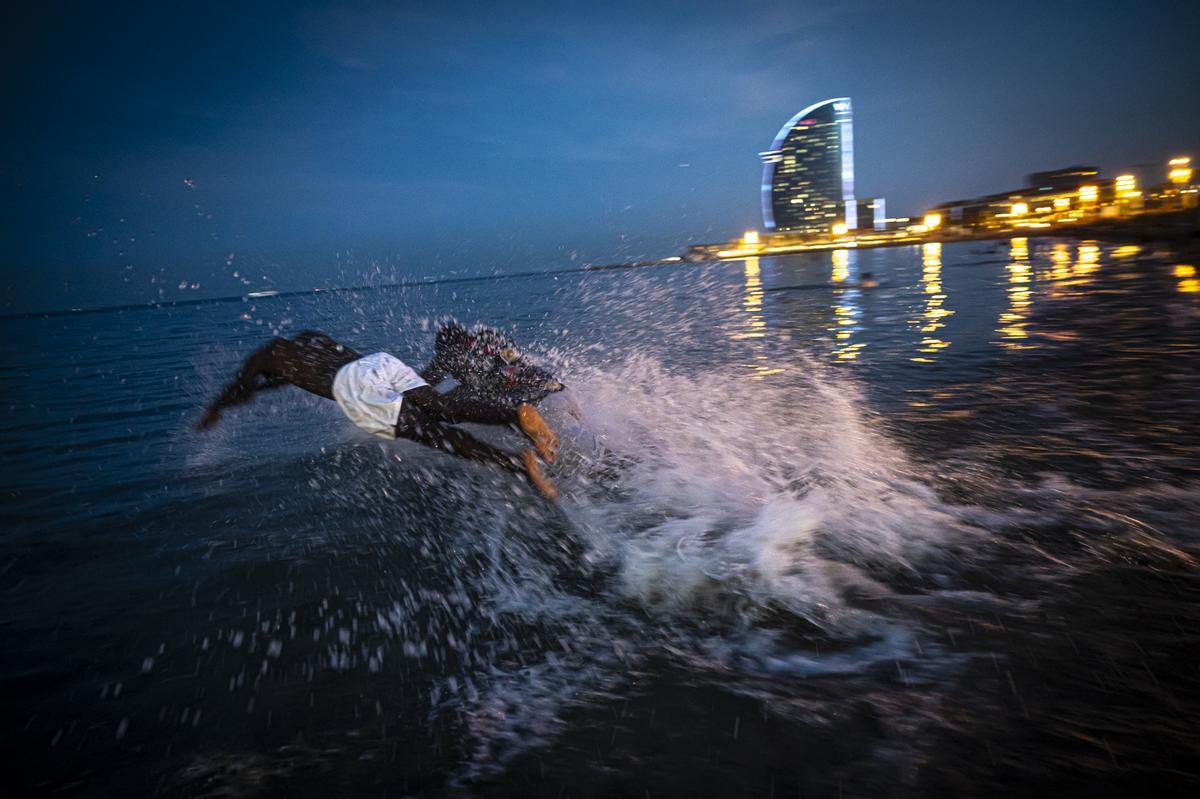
(1126,185)
(934,313)
(845,311)
(756,325)
(1019,209)
(1126,251)
(1014,321)
(931,255)
(1181,161)
(841,265)
(1180,175)
(1060,256)
(840,229)
(1089,194)
(933,220)
(1185,270)
(1089,259)
(1019,248)
(750,238)
(1062,202)
(1190,286)
(752,302)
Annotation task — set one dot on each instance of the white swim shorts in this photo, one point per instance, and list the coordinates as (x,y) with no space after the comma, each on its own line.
(371,391)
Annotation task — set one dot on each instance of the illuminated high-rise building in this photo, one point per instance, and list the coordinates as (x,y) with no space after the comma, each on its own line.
(808,174)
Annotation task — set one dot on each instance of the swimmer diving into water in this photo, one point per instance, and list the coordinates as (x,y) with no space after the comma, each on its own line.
(385,397)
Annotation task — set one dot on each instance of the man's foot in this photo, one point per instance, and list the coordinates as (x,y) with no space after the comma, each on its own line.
(211,417)
(534,426)
(533,470)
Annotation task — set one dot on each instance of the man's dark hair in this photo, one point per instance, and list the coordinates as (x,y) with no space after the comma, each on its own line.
(452,338)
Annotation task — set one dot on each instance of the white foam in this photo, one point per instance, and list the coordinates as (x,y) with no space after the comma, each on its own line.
(781,493)
(729,515)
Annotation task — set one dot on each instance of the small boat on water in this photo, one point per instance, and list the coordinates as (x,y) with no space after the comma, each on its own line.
(262,293)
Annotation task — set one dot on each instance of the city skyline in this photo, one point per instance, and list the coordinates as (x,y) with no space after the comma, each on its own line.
(315,142)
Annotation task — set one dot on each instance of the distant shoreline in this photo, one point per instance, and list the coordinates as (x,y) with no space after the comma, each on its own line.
(1179,230)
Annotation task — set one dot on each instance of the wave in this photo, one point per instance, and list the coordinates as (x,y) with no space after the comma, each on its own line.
(738,528)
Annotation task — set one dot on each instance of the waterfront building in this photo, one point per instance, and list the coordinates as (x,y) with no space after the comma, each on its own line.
(870,214)
(1055,195)
(808,173)
(1069,178)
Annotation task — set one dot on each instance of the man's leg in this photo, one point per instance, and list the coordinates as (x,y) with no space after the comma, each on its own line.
(534,426)
(319,342)
(415,425)
(309,362)
(241,389)
(457,406)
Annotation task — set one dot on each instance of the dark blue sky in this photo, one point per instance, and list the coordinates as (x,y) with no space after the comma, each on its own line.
(318,139)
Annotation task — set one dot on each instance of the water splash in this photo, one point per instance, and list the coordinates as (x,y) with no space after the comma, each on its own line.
(753,528)
(742,529)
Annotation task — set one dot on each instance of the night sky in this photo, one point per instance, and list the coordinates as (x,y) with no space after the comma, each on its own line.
(324,144)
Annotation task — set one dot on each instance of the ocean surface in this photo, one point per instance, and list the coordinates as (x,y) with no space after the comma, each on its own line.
(937,537)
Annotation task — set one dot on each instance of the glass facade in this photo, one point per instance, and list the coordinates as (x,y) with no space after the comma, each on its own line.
(872,214)
(808,174)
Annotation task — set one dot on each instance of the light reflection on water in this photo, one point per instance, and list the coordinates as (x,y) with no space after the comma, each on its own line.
(752,302)
(935,313)
(1056,275)
(1088,260)
(846,310)
(1014,320)
(1188,284)
(971,308)
(756,325)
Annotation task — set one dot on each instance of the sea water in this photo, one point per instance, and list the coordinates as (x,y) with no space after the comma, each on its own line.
(934,536)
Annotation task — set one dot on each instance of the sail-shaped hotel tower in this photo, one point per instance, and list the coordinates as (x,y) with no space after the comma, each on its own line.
(808,174)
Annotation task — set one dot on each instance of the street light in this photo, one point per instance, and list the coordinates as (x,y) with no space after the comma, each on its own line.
(933,220)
